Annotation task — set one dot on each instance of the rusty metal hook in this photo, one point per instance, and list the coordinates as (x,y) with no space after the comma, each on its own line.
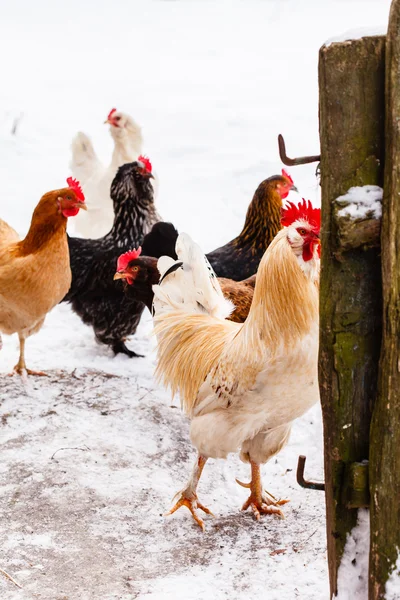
(292,162)
(309,485)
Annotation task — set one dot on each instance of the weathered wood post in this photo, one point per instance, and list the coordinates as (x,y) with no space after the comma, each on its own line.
(385,428)
(351,87)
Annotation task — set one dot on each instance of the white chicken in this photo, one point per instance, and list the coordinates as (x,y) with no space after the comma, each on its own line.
(242,384)
(96,179)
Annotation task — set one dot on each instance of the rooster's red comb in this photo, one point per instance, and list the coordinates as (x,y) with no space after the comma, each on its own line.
(126,258)
(75,186)
(146,161)
(304,210)
(286,174)
(110,114)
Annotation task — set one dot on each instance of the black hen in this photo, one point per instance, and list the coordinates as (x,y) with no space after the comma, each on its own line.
(239,258)
(94,296)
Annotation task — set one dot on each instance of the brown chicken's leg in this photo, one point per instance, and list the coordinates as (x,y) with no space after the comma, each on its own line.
(188,496)
(260,501)
(20,367)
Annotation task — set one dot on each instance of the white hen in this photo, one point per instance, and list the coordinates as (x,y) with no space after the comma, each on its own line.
(96,179)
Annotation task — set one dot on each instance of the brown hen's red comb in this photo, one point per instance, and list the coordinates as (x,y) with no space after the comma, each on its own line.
(110,114)
(286,174)
(75,186)
(126,258)
(304,210)
(146,161)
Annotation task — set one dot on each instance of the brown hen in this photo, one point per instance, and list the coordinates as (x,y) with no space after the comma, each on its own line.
(35,273)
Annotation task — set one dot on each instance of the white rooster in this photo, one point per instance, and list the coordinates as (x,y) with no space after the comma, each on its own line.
(96,179)
(242,384)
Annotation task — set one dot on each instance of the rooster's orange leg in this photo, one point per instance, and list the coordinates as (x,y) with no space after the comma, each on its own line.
(188,496)
(20,367)
(260,501)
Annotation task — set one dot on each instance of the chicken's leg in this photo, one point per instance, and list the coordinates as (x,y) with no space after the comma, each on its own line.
(188,496)
(260,501)
(20,367)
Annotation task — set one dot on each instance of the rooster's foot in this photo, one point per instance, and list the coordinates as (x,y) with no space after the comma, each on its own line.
(260,501)
(121,348)
(264,505)
(192,503)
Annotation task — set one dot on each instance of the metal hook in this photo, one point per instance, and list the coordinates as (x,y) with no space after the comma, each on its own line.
(309,485)
(292,162)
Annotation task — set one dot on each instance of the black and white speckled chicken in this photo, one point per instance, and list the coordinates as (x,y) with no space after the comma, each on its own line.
(94,296)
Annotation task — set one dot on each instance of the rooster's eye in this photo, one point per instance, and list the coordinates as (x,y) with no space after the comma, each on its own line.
(68,198)
(117,118)
(135,269)
(302,231)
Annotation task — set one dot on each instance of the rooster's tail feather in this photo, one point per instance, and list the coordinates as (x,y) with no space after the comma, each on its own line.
(189,284)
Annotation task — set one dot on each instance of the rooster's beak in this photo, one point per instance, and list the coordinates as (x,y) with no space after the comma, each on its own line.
(120,275)
(107,121)
(294,189)
(81,205)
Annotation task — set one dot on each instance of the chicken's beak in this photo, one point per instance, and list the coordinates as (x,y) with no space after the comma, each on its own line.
(81,206)
(107,121)
(145,173)
(120,275)
(294,189)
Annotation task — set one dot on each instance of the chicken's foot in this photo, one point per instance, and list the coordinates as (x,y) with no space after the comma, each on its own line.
(260,501)
(20,368)
(121,347)
(24,371)
(188,496)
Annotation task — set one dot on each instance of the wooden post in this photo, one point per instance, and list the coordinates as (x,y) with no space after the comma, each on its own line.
(351,87)
(385,428)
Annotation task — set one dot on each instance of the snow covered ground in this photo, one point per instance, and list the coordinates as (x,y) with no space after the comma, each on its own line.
(212,83)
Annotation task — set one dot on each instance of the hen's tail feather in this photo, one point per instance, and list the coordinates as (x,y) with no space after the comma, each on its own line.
(194,287)
(8,235)
(84,162)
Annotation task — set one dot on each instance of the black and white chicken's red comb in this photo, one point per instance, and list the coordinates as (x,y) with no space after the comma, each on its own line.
(75,186)
(110,114)
(126,258)
(145,162)
(286,174)
(304,210)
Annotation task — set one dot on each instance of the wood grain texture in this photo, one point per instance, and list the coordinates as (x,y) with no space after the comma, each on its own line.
(351,84)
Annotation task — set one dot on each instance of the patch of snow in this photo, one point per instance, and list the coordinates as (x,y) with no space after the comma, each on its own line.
(353,569)
(356,34)
(392,591)
(362,202)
